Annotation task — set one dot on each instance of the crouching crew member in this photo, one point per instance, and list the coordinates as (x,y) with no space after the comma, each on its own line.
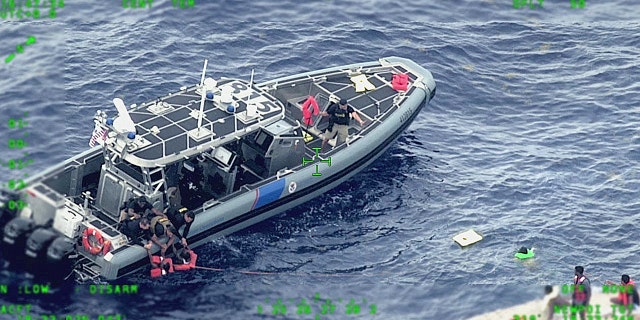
(138,207)
(161,226)
(137,230)
(181,217)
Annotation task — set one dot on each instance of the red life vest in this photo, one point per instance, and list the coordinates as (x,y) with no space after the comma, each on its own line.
(626,294)
(157,272)
(400,82)
(188,266)
(579,293)
(306,113)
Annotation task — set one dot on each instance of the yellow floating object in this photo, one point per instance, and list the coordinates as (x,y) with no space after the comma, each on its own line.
(468,237)
(362,83)
(307,137)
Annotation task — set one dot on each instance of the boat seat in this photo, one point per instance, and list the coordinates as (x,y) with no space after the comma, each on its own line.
(173,197)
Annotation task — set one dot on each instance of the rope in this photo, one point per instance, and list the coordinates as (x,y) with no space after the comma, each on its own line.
(205,268)
(279,273)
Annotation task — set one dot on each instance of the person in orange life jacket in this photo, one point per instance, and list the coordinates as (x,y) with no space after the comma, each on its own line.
(136,229)
(628,295)
(581,292)
(178,218)
(159,265)
(339,121)
(161,226)
(182,254)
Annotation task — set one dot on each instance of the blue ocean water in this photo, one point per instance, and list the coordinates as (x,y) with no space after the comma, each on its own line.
(531,140)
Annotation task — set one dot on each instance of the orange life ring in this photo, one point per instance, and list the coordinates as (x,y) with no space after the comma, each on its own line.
(96,246)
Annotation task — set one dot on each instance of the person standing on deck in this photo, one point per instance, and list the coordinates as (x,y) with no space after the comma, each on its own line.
(339,121)
(581,292)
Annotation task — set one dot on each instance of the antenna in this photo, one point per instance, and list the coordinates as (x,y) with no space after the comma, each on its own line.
(251,81)
(200,133)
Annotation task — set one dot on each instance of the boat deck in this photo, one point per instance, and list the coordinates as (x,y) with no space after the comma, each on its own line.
(534,308)
(163,127)
(372,105)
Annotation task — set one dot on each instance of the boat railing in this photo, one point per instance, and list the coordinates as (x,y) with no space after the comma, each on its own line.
(352,139)
(210,203)
(283,172)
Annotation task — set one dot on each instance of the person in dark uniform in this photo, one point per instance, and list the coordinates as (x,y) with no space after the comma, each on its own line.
(161,226)
(136,208)
(339,121)
(137,230)
(581,292)
(181,217)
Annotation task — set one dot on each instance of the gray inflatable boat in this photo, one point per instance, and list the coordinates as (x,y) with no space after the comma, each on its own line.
(233,152)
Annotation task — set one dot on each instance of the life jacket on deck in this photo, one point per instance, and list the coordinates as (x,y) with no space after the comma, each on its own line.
(400,82)
(157,272)
(306,113)
(190,265)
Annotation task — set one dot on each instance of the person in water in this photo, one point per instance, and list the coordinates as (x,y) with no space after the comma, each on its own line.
(159,265)
(339,121)
(181,253)
(581,292)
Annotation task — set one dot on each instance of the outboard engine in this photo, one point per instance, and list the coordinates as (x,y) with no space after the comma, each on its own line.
(15,237)
(6,212)
(36,250)
(38,242)
(59,257)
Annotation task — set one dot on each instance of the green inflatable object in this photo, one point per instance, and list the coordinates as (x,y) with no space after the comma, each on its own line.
(525,253)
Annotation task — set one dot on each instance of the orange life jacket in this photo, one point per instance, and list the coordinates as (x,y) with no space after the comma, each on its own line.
(400,82)
(157,272)
(626,294)
(188,266)
(579,293)
(306,113)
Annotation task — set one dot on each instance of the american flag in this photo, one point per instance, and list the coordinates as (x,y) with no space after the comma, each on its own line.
(99,136)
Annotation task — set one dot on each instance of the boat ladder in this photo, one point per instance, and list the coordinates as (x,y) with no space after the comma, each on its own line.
(87,271)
